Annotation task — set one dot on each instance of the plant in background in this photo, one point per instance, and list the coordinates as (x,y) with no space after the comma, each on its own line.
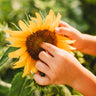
(3,35)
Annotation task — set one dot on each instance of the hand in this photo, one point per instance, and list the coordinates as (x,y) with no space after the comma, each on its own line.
(72,33)
(59,66)
(84,42)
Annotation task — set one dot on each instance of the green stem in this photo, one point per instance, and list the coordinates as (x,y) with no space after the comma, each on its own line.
(2,83)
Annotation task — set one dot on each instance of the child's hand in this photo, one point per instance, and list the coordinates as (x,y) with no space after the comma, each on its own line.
(59,66)
(84,43)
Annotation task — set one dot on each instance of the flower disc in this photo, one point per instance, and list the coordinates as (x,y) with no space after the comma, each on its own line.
(33,41)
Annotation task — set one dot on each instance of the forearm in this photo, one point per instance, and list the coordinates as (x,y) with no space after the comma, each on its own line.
(86,83)
(89,44)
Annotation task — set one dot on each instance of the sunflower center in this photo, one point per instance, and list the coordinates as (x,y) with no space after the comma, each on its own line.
(33,41)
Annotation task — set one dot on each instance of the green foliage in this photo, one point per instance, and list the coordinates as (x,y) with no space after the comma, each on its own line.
(89,15)
(3,35)
(19,86)
(28,87)
(80,56)
(80,14)
(91,2)
(4,88)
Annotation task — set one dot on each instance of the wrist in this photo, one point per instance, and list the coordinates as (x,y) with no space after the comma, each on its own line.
(88,44)
(76,74)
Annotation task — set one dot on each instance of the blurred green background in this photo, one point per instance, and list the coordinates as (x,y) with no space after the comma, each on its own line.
(81,14)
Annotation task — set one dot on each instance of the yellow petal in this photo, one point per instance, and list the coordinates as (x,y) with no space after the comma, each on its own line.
(33,68)
(63,45)
(23,26)
(34,19)
(72,48)
(14,33)
(32,26)
(39,19)
(48,21)
(51,12)
(18,44)
(16,39)
(70,41)
(21,61)
(19,65)
(61,42)
(26,68)
(56,22)
(36,26)
(17,53)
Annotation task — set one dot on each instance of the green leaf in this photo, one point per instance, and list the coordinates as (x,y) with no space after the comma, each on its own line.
(5,56)
(19,86)
(3,90)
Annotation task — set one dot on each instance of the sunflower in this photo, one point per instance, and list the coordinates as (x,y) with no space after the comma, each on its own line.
(31,35)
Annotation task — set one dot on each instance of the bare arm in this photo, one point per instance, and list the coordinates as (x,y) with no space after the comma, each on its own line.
(86,83)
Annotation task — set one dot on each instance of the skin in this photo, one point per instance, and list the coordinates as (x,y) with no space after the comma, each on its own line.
(60,69)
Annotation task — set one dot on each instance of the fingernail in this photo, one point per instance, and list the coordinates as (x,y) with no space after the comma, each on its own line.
(56,29)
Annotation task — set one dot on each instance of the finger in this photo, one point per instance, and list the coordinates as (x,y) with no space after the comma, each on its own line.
(41,80)
(63,24)
(42,67)
(45,57)
(64,31)
(49,47)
